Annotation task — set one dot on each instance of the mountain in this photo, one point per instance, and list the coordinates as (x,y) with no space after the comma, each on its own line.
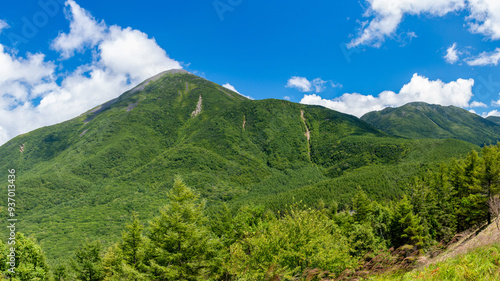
(83,178)
(419,120)
(494,119)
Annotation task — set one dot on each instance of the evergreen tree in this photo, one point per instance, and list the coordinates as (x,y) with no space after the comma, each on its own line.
(181,247)
(490,173)
(362,207)
(125,260)
(133,243)
(406,227)
(87,262)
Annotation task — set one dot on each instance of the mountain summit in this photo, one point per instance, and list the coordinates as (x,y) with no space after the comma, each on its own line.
(419,120)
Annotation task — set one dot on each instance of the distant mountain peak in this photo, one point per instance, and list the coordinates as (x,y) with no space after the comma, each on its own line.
(419,120)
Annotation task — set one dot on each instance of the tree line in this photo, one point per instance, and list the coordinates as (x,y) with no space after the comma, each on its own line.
(300,243)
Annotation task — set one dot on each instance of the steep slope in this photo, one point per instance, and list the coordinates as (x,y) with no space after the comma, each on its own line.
(494,119)
(420,120)
(83,178)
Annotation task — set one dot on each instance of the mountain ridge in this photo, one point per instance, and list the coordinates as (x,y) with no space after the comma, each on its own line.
(421,120)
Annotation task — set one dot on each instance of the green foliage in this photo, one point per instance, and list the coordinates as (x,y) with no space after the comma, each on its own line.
(406,227)
(286,247)
(87,262)
(126,260)
(181,246)
(419,120)
(108,162)
(30,262)
(60,271)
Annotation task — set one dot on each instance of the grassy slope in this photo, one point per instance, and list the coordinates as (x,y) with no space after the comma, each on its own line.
(480,264)
(83,178)
(474,257)
(421,120)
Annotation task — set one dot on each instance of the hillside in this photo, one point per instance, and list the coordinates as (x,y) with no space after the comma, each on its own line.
(494,119)
(84,177)
(475,256)
(419,120)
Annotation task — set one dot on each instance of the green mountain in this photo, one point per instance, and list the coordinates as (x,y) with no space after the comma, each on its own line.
(419,120)
(494,119)
(83,178)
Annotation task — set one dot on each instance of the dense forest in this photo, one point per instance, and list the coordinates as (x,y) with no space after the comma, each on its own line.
(83,179)
(319,241)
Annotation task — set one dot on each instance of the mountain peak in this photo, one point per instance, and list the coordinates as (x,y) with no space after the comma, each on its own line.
(418,120)
(142,85)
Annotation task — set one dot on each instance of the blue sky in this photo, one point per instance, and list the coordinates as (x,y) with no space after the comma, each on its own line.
(60,58)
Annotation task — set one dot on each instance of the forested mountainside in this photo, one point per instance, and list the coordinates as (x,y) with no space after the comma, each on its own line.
(420,120)
(249,161)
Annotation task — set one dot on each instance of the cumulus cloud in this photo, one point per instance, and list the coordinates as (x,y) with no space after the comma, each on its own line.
(451,56)
(287,98)
(121,59)
(477,104)
(85,31)
(492,113)
(485,17)
(385,17)
(300,83)
(420,88)
(485,58)
(131,51)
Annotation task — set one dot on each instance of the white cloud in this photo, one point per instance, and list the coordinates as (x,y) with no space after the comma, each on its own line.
(451,56)
(85,31)
(232,88)
(122,58)
(3,25)
(485,58)
(386,16)
(287,98)
(472,111)
(495,103)
(420,88)
(300,83)
(319,85)
(491,113)
(131,51)
(485,17)
(477,104)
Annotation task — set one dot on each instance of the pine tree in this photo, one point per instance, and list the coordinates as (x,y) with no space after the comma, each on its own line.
(490,173)
(362,207)
(133,242)
(406,227)
(87,262)
(181,247)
